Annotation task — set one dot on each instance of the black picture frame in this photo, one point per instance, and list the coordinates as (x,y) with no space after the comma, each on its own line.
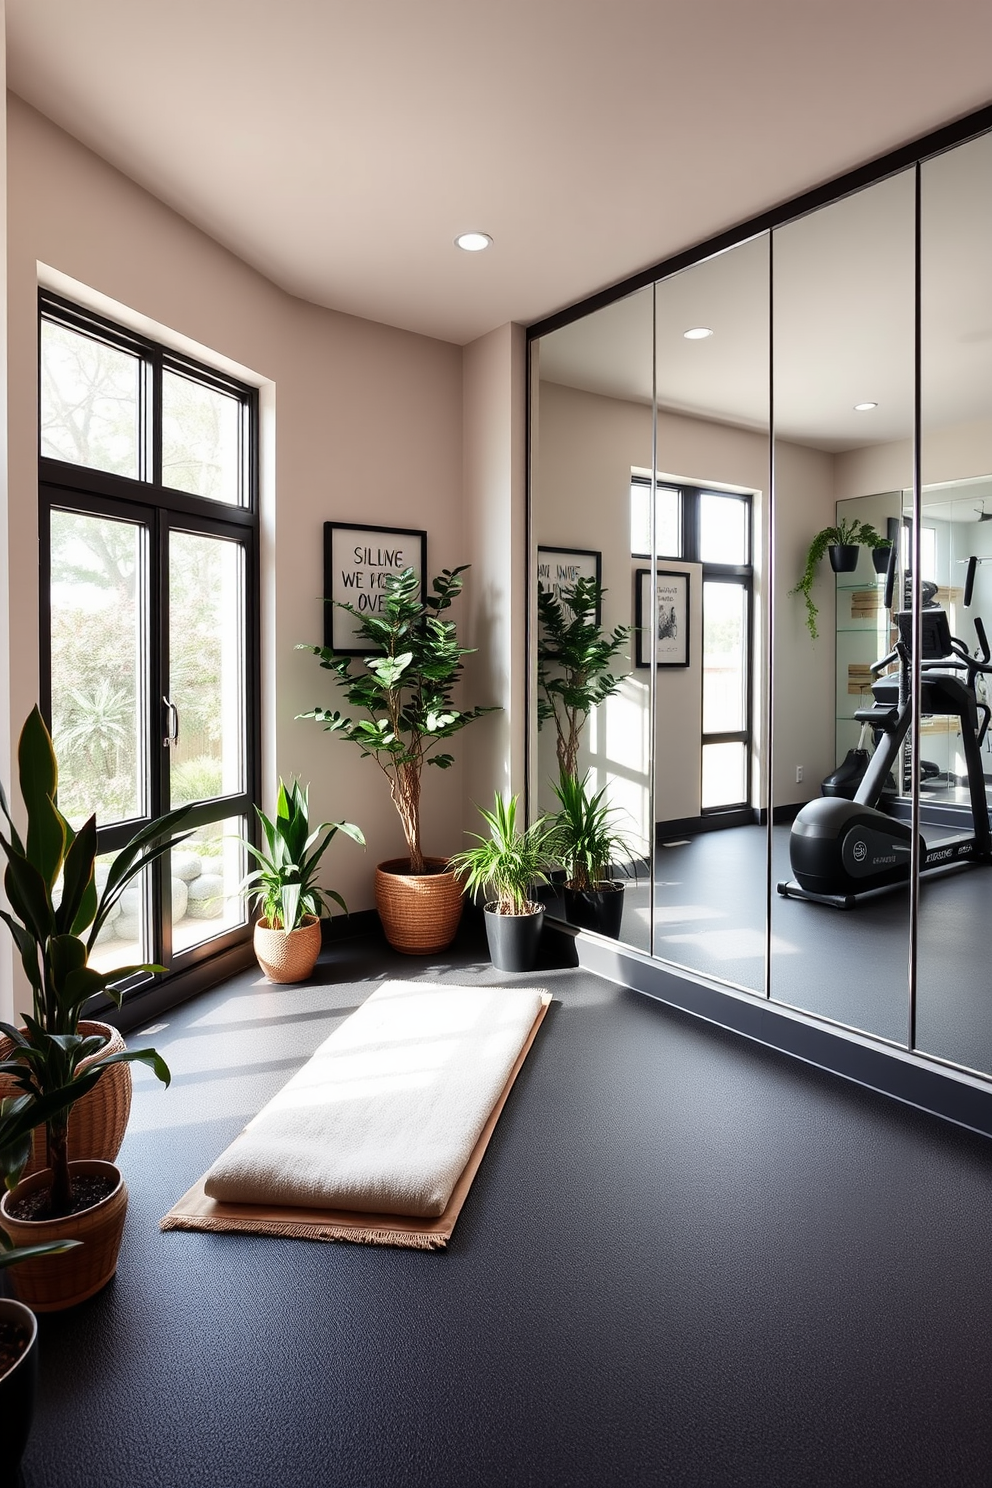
(559,567)
(673,617)
(357,556)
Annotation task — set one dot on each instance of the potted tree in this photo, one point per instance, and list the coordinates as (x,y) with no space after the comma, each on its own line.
(56,914)
(507,866)
(840,543)
(19,1116)
(404,691)
(589,846)
(284,885)
(573,663)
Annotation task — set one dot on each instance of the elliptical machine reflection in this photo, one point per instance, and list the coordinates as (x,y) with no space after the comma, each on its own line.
(843,850)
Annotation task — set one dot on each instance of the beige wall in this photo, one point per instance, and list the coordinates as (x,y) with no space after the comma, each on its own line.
(955,452)
(369,429)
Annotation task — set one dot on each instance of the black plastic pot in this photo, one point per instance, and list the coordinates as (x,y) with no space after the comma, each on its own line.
(513,939)
(17,1389)
(843,557)
(880,559)
(599,909)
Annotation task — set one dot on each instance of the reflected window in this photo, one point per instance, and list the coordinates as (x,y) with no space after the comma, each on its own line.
(668,520)
(724,775)
(724,535)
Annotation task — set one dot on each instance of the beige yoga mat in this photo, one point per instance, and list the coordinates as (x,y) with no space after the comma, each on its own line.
(197,1211)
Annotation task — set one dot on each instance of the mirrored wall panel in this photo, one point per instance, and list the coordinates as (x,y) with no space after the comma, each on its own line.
(591,442)
(953,1006)
(844,337)
(762,513)
(711,504)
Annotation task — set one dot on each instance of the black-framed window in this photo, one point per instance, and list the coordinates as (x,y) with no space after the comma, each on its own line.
(698,524)
(149,622)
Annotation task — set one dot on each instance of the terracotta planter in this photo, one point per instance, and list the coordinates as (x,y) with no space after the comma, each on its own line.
(420,912)
(53,1282)
(97,1123)
(18,1386)
(287,958)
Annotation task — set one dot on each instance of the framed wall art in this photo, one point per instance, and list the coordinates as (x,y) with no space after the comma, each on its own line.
(558,569)
(357,561)
(673,618)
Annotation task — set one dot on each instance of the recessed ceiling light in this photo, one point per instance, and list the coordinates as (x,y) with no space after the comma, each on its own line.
(473,242)
(864,407)
(698,333)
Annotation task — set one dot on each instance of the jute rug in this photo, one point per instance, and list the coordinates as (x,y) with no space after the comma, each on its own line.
(378,1138)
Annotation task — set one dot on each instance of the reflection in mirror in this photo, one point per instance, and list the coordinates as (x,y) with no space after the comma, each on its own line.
(844,294)
(591,423)
(953,1008)
(712,476)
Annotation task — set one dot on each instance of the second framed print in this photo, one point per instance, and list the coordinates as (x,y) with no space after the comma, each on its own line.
(673,618)
(357,561)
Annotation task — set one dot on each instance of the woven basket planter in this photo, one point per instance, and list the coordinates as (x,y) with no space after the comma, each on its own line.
(420,912)
(287,958)
(53,1282)
(97,1123)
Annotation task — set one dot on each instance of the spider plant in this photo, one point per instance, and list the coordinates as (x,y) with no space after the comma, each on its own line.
(509,863)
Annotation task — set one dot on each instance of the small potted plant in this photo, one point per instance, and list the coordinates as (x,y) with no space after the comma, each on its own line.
(573,663)
(405,690)
(56,914)
(589,847)
(284,885)
(506,867)
(840,544)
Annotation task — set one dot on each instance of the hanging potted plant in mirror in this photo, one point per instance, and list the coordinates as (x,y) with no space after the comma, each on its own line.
(404,686)
(284,885)
(506,867)
(56,914)
(840,544)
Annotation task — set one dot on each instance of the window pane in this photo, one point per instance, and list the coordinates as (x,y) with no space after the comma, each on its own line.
(201,439)
(124,939)
(206,666)
(724,658)
(97,588)
(668,524)
(206,870)
(723,524)
(89,401)
(723,775)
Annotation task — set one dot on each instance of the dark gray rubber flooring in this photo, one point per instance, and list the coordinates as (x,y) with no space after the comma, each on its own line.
(685,1261)
(851,966)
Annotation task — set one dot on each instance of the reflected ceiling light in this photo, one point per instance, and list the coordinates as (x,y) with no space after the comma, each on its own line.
(864,407)
(473,242)
(698,333)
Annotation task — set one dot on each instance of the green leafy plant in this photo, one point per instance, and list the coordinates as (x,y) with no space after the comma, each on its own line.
(843,534)
(405,688)
(586,842)
(509,863)
(573,663)
(56,914)
(284,885)
(19,1115)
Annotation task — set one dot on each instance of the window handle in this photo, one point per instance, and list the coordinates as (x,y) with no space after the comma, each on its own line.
(172,737)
